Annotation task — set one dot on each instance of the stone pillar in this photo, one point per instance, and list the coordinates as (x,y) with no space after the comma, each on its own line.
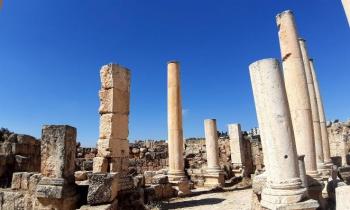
(259,107)
(214,174)
(324,133)
(236,146)
(175,132)
(113,145)
(285,189)
(297,91)
(346,5)
(56,189)
(314,106)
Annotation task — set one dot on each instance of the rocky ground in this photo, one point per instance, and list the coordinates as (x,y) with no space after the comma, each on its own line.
(230,198)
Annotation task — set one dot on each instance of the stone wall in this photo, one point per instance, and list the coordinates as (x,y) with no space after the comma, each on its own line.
(17,153)
(339,142)
(147,156)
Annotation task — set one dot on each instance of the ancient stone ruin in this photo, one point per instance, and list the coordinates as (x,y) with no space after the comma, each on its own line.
(294,160)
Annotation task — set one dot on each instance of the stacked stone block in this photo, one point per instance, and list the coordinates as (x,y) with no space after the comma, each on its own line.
(56,189)
(113,145)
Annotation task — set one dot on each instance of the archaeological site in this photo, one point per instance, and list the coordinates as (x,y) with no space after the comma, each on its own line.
(296,158)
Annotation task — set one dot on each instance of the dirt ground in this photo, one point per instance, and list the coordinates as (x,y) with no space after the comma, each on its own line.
(229,198)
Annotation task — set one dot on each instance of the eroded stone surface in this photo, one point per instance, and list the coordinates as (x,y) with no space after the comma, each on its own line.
(103,188)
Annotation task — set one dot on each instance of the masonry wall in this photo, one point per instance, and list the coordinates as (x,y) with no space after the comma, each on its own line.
(339,141)
(18,153)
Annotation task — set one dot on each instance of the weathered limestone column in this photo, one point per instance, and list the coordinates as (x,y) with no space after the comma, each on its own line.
(113,144)
(297,91)
(56,189)
(324,133)
(314,106)
(285,189)
(236,146)
(346,5)
(214,174)
(259,107)
(175,132)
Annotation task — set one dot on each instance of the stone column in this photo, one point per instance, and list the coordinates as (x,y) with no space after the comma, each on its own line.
(211,142)
(259,107)
(236,145)
(314,106)
(346,5)
(214,176)
(297,91)
(175,132)
(324,133)
(283,179)
(113,144)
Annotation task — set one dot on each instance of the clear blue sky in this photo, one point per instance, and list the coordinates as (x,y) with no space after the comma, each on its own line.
(51,53)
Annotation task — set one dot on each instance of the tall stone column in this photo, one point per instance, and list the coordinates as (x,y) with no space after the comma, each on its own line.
(324,133)
(215,176)
(297,91)
(175,132)
(285,186)
(314,106)
(236,145)
(113,144)
(259,107)
(346,5)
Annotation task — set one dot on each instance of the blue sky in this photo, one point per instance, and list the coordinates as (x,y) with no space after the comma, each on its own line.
(51,53)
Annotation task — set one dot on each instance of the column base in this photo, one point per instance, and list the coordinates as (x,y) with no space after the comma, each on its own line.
(214,180)
(279,196)
(175,176)
(304,205)
(313,178)
(183,188)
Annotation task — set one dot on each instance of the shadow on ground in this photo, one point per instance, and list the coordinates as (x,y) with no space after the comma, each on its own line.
(191,203)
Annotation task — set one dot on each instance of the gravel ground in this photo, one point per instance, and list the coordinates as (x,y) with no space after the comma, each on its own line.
(229,198)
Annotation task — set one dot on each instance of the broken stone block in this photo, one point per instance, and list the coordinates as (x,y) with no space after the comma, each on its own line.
(58,144)
(115,76)
(103,188)
(342,197)
(100,164)
(80,175)
(16,181)
(148,176)
(25,181)
(126,182)
(160,179)
(114,126)
(49,191)
(139,181)
(114,101)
